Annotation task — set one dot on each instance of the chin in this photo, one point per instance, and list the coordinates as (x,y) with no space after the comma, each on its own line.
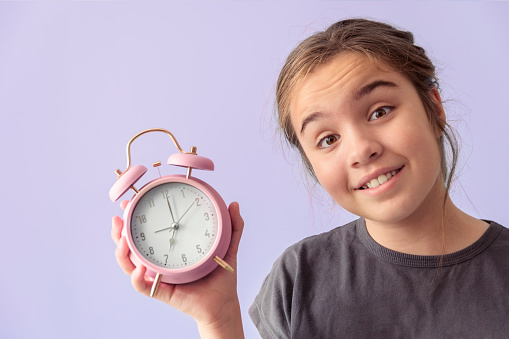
(390,213)
(387,218)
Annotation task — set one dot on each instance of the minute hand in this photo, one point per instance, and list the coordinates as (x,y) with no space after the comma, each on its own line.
(169,206)
(186,212)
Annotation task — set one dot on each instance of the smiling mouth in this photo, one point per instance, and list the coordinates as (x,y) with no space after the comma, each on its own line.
(380,180)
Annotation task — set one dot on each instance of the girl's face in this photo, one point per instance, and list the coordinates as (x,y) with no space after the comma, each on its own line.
(368,138)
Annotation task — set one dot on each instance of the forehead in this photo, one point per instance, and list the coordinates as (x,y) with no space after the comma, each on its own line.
(339,79)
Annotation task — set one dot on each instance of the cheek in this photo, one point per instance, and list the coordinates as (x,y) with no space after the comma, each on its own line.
(331,175)
(422,148)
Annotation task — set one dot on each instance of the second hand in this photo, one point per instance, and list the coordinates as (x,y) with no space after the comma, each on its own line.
(186,212)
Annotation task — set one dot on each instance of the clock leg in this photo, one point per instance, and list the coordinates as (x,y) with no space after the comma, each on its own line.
(223,264)
(155,285)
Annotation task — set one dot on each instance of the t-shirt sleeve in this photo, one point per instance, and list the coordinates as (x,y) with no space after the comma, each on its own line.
(271,310)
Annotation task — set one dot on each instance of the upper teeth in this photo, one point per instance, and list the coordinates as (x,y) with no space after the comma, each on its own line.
(382,179)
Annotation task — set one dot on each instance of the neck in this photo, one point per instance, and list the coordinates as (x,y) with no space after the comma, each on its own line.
(434,229)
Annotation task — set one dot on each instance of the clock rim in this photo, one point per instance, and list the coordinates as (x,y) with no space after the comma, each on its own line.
(206,264)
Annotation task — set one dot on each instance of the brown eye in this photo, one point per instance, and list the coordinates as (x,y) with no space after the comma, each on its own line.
(328,141)
(380,112)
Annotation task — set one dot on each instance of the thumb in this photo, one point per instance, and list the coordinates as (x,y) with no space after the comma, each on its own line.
(237,227)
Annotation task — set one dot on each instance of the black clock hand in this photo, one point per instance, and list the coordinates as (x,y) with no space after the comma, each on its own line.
(186,212)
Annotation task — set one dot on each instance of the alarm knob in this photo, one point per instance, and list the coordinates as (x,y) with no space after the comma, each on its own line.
(125,181)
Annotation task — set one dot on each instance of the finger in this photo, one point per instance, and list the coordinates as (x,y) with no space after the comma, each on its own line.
(122,255)
(143,284)
(116,229)
(237,227)
(123,204)
(139,281)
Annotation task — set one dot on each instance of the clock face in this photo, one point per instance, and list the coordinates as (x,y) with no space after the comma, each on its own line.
(174,225)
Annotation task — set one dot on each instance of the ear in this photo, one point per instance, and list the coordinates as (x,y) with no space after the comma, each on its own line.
(439,110)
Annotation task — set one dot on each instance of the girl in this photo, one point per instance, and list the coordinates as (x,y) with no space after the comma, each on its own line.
(361,103)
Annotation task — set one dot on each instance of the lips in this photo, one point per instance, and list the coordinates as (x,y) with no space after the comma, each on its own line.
(378,179)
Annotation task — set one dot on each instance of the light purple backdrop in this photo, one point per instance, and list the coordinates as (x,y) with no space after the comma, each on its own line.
(77,80)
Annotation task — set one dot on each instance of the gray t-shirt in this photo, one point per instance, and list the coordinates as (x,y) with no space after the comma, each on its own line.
(342,284)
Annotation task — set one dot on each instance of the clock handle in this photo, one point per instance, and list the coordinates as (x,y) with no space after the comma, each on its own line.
(155,284)
(126,179)
(128,148)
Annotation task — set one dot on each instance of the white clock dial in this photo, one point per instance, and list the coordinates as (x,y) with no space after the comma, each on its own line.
(174,225)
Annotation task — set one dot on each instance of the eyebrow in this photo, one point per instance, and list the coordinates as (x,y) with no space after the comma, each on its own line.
(363,91)
(312,117)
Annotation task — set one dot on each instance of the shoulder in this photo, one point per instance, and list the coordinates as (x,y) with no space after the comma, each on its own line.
(497,239)
(303,266)
(503,230)
(321,246)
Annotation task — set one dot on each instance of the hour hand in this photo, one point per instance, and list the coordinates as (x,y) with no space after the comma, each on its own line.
(172,240)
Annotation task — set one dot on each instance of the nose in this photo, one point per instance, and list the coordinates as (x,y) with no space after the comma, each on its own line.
(363,148)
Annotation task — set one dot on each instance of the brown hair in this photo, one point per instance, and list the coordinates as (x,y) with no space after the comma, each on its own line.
(379,42)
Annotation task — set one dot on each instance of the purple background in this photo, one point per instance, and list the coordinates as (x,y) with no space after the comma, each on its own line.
(78,80)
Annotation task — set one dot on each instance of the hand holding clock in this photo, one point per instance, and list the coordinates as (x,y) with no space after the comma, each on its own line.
(211,301)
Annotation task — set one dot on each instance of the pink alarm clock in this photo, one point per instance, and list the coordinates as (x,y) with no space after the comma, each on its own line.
(177,226)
